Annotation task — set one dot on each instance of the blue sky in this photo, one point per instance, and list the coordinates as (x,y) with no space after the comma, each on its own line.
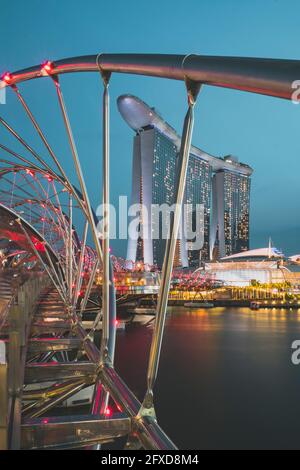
(261,131)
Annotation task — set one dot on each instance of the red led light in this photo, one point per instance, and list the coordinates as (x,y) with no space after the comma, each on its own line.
(7,77)
(117,322)
(30,172)
(108,412)
(47,67)
(39,246)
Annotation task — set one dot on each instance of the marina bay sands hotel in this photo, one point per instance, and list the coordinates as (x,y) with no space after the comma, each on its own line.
(220,185)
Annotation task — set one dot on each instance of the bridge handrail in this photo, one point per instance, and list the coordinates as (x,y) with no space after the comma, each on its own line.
(147,428)
(4,311)
(19,312)
(272,77)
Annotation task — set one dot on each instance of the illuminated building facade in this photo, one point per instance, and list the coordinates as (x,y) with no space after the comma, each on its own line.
(221,186)
(263,265)
(198,191)
(230,213)
(163,176)
(154,163)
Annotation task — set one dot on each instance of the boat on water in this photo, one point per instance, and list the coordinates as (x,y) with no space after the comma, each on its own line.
(143,319)
(89,325)
(198,305)
(143,311)
(254,306)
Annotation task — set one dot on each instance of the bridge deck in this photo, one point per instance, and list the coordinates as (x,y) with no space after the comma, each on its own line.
(6,294)
(51,359)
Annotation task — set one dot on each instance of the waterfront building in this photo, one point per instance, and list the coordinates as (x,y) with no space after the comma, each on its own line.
(220,185)
(230,215)
(259,266)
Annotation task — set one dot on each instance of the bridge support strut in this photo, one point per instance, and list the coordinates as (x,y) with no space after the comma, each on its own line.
(193,89)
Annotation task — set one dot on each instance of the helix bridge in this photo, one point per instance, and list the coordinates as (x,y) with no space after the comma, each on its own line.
(51,253)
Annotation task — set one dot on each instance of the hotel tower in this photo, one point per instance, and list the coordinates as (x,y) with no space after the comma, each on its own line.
(220,185)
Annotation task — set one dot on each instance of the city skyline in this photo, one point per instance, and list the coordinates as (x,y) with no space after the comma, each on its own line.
(258,129)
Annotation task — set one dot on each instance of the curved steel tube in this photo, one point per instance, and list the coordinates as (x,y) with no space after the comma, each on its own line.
(273,77)
(9,218)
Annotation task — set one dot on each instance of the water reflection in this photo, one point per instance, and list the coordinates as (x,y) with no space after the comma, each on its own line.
(242,319)
(226,378)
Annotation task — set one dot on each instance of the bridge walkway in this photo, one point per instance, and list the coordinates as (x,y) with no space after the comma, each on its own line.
(51,358)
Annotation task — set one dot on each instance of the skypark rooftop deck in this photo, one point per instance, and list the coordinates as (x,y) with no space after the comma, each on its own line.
(139,115)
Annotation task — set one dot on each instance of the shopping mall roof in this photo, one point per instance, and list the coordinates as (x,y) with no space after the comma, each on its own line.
(262,253)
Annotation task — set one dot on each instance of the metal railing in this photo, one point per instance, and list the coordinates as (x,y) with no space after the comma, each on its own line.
(18,314)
